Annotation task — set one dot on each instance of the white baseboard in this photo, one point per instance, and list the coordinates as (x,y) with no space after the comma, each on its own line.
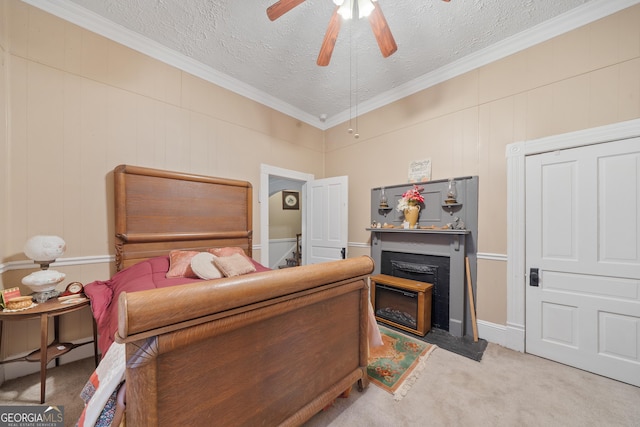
(492,332)
(515,337)
(506,336)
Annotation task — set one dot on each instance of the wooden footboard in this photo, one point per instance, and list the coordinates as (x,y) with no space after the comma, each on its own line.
(266,349)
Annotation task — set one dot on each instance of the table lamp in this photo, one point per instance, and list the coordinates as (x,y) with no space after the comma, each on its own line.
(44,250)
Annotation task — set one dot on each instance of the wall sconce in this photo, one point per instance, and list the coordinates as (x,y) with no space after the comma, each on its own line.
(384,204)
(452,192)
(44,250)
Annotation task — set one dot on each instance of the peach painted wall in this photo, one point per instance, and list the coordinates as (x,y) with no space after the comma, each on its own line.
(4,148)
(79,105)
(585,78)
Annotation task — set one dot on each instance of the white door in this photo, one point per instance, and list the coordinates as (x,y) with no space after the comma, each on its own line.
(327,219)
(583,237)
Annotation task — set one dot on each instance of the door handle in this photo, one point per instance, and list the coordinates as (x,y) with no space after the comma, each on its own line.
(534,277)
(343,252)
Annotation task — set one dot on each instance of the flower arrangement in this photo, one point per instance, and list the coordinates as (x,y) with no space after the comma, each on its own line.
(410,197)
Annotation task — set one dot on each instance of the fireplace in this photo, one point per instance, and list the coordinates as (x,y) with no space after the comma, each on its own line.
(427,269)
(435,251)
(396,305)
(403,303)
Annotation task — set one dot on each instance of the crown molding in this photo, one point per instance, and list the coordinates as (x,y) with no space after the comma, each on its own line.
(91,21)
(575,18)
(582,15)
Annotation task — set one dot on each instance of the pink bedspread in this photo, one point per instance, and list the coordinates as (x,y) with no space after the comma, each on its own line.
(149,274)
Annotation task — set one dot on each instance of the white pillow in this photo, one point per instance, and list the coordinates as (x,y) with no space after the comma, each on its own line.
(203,266)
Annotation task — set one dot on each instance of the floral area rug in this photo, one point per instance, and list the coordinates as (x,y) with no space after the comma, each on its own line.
(396,365)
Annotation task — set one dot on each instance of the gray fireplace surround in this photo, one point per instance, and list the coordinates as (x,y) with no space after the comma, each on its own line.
(430,239)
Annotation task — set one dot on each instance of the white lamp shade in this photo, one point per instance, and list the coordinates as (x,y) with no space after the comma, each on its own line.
(45,248)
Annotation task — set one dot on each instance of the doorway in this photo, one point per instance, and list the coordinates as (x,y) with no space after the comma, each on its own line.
(582,241)
(518,276)
(324,209)
(274,180)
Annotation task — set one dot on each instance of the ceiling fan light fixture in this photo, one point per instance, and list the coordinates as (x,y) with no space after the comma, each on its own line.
(347,8)
(365,7)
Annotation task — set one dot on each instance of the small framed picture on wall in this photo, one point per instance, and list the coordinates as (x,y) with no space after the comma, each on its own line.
(290,200)
(420,170)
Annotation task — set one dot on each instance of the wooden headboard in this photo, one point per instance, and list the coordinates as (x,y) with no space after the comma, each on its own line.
(157,211)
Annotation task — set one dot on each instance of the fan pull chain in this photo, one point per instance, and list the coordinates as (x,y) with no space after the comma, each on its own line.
(353,93)
(356,135)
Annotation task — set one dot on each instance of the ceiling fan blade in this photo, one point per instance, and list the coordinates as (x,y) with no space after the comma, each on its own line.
(281,7)
(330,38)
(381,31)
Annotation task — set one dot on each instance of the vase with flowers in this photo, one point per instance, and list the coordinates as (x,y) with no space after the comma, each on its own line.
(409,205)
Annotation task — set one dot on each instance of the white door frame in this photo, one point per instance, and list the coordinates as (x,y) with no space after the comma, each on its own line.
(265,172)
(516,153)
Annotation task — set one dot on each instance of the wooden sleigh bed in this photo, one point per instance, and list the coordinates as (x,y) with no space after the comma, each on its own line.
(266,348)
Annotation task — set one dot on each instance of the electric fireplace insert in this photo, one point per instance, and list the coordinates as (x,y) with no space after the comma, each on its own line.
(403,303)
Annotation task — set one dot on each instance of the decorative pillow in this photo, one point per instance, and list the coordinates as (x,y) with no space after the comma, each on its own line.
(203,266)
(180,264)
(234,265)
(226,251)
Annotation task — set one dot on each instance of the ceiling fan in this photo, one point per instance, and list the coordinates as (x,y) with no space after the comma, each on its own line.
(345,9)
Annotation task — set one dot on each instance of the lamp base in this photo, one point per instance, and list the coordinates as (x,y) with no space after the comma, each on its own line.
(43,281)
(41,297)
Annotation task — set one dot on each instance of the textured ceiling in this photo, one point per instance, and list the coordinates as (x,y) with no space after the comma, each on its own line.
(277,60)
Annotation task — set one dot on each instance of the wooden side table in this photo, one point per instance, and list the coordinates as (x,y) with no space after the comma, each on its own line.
(45,311)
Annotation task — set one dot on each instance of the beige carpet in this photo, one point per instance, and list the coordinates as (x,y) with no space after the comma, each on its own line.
(506,388)
(64,384)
